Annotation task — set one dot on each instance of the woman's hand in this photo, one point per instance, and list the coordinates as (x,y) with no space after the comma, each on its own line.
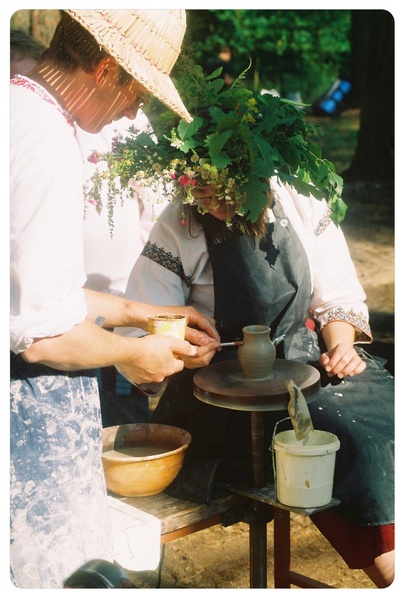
(203,335)
(201,330)
(341,358)
(343,361)
(204,353)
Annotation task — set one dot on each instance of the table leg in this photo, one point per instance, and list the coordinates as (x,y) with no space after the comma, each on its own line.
(258,529)
(257,448)
(281,548)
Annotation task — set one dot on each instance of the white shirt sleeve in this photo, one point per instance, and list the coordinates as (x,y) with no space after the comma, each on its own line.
(337,294)
(46,215)
(173,269)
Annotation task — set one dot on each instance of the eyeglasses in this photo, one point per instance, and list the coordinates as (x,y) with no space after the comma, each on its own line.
(204,201)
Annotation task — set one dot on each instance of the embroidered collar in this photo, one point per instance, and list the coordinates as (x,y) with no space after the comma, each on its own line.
(29,84)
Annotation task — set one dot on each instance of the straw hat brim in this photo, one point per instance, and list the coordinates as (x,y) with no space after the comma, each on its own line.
(141,49)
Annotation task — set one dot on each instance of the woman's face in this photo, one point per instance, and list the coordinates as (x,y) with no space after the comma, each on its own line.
(206,198)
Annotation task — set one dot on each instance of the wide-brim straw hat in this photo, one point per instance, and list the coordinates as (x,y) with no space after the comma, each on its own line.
(146,43)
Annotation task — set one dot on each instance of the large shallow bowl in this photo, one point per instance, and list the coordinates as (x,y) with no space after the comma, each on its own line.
(142,459)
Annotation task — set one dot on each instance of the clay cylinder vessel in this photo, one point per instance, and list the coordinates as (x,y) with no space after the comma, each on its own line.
(257,353)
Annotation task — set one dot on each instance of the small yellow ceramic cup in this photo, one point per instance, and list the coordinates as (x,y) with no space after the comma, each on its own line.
(167,324)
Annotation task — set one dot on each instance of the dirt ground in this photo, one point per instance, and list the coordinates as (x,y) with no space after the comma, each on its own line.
(219,557)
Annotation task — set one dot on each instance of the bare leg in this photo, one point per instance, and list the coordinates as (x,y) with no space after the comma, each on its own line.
(382,572)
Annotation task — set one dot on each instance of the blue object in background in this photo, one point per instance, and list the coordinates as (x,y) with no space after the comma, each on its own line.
(335,96)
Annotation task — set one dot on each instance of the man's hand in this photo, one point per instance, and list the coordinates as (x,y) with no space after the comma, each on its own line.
(153,358)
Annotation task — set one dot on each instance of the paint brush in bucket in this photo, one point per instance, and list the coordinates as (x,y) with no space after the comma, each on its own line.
(299,411)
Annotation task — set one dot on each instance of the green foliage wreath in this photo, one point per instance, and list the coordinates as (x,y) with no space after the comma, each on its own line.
(237,141)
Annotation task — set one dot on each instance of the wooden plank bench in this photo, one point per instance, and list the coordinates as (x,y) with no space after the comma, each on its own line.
(180,518)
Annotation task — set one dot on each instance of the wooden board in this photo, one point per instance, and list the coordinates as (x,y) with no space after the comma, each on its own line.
(181,517)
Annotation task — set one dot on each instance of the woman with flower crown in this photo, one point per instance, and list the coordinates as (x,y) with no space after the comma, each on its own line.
(290,270)
(252,237)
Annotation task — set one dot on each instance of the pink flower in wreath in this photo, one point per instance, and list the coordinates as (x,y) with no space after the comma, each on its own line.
(185,180)
(94,157)
(89,200)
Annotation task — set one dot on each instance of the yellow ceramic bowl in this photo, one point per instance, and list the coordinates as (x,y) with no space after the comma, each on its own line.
(142,459)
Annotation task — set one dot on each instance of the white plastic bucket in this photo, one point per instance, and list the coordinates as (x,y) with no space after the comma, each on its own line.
(305,472)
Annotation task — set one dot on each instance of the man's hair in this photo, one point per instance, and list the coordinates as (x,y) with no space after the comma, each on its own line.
(22,45)
(73,47)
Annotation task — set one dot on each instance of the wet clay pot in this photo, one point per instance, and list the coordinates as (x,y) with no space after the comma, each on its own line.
(257,353)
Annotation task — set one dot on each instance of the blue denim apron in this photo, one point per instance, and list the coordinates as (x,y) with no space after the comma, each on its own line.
(58,495)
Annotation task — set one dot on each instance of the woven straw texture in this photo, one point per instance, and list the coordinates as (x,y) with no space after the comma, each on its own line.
(146,43)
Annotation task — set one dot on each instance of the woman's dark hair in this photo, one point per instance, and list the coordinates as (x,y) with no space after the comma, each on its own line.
(73,47)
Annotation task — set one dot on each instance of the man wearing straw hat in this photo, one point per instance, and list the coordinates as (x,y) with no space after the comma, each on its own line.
(98,68)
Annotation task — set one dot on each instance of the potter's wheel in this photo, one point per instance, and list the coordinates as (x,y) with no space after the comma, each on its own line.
(223,384)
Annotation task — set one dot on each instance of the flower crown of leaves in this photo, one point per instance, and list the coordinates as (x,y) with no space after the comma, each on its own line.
(237,141)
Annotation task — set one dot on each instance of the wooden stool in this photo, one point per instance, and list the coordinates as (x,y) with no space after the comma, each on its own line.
(283,576)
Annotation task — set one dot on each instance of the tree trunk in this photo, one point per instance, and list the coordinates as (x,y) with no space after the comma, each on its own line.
(373,80)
